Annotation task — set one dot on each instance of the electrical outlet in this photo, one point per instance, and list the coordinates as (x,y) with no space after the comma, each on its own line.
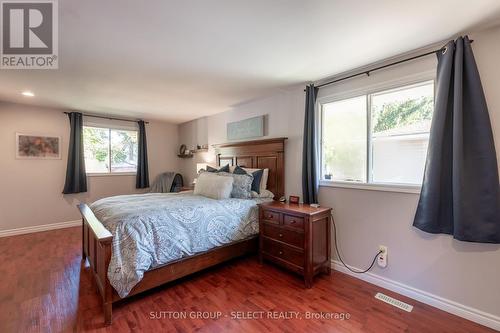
(382,257)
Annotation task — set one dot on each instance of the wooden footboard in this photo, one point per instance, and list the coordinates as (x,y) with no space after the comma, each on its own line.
(96,247)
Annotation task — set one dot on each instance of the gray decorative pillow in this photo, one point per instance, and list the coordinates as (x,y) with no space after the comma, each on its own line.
(242,185)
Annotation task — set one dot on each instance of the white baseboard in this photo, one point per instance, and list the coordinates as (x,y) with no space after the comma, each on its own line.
(38,228)
(475,315)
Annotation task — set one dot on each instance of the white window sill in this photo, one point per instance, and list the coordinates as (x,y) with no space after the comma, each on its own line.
(401,188)
(105,174)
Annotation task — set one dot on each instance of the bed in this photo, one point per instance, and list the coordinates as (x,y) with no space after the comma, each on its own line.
(192,247)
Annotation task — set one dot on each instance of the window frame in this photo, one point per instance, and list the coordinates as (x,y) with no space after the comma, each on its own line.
(110,127)
(368,91)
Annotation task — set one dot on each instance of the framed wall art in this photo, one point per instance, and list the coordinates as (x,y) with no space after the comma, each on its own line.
(33,146)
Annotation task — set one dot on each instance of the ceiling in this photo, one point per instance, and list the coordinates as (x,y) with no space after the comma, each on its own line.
(180,60)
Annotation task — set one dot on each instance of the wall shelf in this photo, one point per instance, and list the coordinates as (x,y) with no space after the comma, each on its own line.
(185,156)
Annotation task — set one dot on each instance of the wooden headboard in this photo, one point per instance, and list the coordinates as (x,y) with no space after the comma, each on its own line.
(258,154)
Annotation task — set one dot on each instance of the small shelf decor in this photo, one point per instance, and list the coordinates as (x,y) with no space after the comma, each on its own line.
(201,149)
(184,152)
(188,153)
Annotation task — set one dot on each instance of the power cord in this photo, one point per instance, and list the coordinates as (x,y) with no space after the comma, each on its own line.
(342,261)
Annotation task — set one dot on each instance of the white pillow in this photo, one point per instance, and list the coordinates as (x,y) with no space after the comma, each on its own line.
(264,194)
(263,181)
(213,186)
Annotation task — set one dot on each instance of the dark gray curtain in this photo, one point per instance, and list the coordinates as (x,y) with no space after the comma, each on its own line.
(76,178)
(309,154)
(460,192)
(142,178)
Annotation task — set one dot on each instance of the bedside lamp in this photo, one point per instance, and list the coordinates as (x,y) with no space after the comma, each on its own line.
(201,166)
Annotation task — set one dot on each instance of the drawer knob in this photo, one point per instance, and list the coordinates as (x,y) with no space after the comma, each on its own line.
(293,221)
(281,235)
(281,252)
(270,216)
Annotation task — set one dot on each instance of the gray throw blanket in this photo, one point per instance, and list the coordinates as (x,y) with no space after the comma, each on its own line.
(163,183)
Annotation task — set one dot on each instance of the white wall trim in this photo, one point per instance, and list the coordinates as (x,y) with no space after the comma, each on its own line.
(402,188)
(38,228)
(461,310)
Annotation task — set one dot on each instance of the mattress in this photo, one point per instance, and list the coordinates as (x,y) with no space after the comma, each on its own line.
(151,230)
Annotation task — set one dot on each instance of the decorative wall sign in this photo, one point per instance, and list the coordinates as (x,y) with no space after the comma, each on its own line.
(246,129)
(30,146)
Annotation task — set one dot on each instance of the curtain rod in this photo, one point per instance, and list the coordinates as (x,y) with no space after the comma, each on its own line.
(109,118)
(367,72)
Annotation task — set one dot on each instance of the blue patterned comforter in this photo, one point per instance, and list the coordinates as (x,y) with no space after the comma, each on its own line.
(153,229)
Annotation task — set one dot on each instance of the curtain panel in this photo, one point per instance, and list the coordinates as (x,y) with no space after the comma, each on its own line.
(142,178)
(460,191)
(76,178)
(309,154)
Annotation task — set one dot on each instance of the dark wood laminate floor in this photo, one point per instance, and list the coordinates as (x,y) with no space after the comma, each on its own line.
(46,288)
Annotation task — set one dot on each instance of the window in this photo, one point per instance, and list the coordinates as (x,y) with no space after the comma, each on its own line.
(344,140)
(378,138)
(109,150)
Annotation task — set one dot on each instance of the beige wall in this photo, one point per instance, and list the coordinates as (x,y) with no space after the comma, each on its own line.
(284,117)
(458,271)
(30,190)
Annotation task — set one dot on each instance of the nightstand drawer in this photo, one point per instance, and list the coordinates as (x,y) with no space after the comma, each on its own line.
(293,221)
(271,216)
(283,252)
(283,235)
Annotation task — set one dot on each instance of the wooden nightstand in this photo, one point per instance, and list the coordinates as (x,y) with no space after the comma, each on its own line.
(297,237)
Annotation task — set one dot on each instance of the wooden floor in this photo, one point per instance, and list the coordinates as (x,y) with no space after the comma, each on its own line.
(46,288)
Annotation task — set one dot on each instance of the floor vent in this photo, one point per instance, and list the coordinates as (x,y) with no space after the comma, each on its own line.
(394,302)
